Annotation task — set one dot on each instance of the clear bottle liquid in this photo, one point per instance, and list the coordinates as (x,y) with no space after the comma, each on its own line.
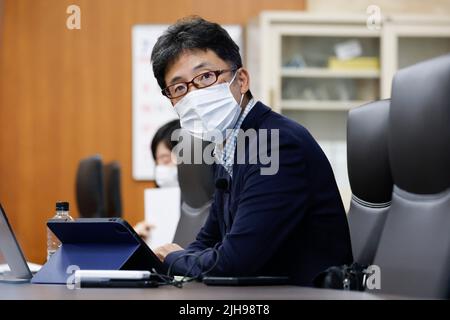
(62,213)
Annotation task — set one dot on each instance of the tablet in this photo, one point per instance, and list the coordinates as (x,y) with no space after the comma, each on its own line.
(96,244)
(108,231)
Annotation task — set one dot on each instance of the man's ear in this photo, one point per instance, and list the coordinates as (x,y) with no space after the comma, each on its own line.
(243,79)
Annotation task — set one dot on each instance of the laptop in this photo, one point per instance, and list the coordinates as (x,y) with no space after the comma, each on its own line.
(12,254)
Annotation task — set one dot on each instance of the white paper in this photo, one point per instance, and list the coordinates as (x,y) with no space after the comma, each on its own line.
(162,209)
(348,49)
(336,152)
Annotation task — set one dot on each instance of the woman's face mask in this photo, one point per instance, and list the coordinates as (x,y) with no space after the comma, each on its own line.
(166,176)
(207,113)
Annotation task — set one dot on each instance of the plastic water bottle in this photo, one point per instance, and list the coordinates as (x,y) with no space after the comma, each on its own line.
(62,213)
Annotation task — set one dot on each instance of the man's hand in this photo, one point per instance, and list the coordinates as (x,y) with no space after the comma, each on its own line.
(164,250)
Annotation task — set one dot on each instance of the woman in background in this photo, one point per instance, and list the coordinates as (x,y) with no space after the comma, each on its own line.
(166,173)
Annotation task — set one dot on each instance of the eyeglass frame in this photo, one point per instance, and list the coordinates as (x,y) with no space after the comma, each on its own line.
(187,83)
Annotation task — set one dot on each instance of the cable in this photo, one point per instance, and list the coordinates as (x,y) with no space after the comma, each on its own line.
(165,279)
(180,282)
(197,262)
(215,262)
(168,279)
(179,258)
(203,273)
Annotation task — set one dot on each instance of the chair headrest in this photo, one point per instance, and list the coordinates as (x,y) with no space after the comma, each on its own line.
(419,134)
(112,187)
(196,178)
(89,187)
(367,152)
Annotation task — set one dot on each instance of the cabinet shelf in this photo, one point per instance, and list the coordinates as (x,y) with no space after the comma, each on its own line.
(329,73)
(317,105)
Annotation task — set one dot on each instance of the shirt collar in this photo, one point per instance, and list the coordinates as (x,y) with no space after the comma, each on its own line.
(224,153)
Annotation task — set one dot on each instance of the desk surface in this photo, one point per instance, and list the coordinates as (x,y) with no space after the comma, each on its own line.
(190,291)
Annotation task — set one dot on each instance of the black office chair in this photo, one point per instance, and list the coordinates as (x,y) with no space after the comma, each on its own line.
(370,177)
(196,189)
(89,188)
(113,197)
(414,249)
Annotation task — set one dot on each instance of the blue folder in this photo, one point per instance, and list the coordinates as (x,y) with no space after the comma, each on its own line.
(96,244)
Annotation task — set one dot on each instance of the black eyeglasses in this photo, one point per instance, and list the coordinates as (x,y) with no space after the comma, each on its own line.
(203,80)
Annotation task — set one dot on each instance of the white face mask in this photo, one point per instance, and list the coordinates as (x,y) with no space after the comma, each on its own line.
(207,113)
(166,176)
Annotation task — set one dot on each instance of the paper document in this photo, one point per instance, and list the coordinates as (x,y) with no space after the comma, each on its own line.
(162,209)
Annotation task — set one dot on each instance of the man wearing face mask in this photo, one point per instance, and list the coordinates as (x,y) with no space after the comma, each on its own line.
(166,173)
(291,223)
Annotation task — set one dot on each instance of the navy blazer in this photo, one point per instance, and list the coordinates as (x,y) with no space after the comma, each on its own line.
(291,223)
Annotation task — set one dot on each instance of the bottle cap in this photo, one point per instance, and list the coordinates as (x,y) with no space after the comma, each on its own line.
(62,206)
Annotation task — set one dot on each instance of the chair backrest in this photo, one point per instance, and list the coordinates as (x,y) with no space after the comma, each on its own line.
(369,175)
(414,249)
(89,188)
(197,189)
(113,197)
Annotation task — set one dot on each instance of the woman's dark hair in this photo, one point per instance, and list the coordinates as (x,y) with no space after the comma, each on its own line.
(192,33)
(164,135)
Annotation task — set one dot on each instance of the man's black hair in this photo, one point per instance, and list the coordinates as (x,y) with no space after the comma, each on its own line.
(192,33)
(164,135)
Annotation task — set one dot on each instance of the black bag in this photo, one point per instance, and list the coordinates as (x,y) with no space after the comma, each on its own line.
(344,277)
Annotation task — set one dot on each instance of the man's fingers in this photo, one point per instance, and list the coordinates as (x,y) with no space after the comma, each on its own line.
(160,256)
(162,251)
